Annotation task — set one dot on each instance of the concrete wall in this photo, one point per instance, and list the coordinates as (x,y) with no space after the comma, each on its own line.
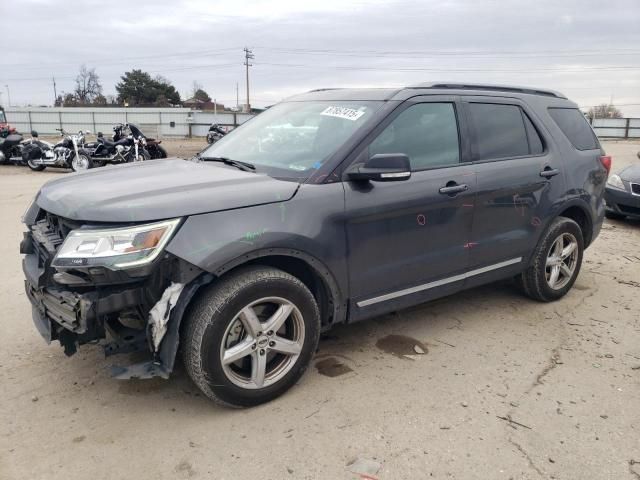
(154,122)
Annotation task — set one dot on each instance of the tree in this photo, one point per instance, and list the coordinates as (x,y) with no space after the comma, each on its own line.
(138,88)
(165,88)
(88,86)
(100,101)
(59,101)
(70,100)
(605,110)
(198,93)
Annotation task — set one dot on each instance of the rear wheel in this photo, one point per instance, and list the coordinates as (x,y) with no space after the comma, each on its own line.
(251,336)
(35,167)
(555,263)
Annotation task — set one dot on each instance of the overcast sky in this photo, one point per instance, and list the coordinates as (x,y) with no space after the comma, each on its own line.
(588,49)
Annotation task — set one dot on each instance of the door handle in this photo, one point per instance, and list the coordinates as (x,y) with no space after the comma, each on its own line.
(549,172)
(452,189)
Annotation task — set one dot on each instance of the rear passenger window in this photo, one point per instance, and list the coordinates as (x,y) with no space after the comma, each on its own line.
(500,131)
(575,127)
(427,133)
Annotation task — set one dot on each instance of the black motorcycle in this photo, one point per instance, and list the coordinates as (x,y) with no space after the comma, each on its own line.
(126,146)
(215,133)
(10,147)
(68,153)
(151,145)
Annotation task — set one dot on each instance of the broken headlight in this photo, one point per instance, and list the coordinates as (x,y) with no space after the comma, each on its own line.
(115,248)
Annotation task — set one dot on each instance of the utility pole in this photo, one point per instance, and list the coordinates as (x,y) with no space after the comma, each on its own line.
(8,96)
(237,98)
(248,55)
(55,93)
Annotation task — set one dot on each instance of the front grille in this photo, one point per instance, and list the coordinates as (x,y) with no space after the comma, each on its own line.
(635,188)
(48,233)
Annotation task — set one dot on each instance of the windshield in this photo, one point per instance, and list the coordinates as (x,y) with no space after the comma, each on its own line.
(292,139)
(2,117)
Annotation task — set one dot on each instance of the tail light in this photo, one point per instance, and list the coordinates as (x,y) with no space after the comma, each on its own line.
(606,162)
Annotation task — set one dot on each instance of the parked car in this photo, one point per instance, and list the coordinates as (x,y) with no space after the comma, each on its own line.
(365,202)
(622,194)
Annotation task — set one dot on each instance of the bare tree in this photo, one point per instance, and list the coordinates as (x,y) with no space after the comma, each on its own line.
(606,110)
(88,86)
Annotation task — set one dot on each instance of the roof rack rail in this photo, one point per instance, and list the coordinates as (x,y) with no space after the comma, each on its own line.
(493,88)
(323,89)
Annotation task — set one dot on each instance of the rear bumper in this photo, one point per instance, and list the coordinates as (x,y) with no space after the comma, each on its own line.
(622,203)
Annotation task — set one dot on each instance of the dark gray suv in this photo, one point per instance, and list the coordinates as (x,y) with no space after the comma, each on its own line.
(333,206)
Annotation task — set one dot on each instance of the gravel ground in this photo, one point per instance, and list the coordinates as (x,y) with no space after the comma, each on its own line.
(504,388)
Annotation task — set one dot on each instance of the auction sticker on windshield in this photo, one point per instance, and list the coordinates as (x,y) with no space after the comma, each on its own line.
(343,112)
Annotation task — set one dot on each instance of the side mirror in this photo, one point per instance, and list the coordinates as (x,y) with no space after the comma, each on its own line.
(34,134)
(382,167)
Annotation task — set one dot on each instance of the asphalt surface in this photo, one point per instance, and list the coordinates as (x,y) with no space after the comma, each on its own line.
(485,384)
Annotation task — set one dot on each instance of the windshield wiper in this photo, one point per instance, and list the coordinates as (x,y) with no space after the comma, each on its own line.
(245,166)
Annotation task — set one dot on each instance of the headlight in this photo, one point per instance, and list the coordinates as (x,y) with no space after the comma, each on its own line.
(115,247)
(616,182)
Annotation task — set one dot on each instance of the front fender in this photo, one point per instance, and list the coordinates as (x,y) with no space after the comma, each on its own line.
(312,222)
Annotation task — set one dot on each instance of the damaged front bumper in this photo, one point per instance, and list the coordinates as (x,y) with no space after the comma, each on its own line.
(125,312)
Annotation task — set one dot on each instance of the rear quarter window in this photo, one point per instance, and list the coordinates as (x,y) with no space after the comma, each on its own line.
(575,127)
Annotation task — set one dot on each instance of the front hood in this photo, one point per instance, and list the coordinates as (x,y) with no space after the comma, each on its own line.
(158,189)
(631,174)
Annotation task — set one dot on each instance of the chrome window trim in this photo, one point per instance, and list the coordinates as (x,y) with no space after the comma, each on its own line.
(437,283)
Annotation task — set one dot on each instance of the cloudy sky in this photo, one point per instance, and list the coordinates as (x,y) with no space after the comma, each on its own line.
(588,49)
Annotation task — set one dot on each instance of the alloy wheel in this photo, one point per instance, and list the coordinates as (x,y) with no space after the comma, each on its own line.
(262,343)
(561,262)
(80,162)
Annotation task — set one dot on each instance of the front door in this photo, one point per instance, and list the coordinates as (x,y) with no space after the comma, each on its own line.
(408,240)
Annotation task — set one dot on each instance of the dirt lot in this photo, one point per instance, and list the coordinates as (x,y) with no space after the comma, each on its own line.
(506,388)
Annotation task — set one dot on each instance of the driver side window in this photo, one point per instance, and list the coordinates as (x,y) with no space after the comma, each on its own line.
(427,133)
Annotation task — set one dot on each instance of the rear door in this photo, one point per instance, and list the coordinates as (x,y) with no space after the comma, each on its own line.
(407,239)
(519,178)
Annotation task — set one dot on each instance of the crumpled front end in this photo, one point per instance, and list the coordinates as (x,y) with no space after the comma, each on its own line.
(82,304)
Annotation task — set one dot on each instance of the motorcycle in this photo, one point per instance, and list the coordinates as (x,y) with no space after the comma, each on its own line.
(152,146)
(68,153)
(122,149)
(10,146)
(216,132)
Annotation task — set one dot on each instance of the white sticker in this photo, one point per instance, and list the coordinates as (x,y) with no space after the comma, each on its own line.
(299,168)
(343,112)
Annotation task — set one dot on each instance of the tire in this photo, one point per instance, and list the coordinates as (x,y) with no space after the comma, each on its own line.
(82,162)
(614,215)
(537,281)
(160,152)
(143,155)
(35,168)
(214,327)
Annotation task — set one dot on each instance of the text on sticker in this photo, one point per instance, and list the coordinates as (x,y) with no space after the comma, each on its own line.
(343,112)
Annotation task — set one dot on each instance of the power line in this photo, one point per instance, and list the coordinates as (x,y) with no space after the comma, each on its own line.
(440,69)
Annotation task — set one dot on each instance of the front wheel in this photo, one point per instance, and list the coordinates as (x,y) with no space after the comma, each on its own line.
(81,162)
(555,263)
(142,156)
(251,336)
